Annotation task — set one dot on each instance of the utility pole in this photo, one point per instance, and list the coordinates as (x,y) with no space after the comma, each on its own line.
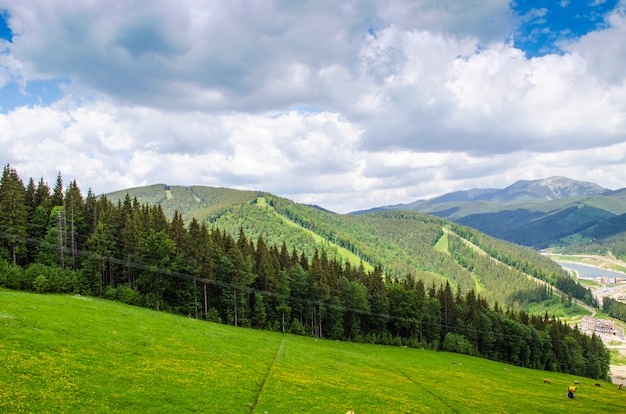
(61,219)
(73,239)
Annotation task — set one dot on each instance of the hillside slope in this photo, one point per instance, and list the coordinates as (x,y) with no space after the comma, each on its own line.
(191,201)
(81,354)
(400,243)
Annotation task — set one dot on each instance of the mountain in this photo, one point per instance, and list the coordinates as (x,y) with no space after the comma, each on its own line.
(191,201)
(399,243)
(536,213)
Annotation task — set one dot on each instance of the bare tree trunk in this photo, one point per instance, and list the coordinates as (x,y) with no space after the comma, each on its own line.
(72,237)
(195,296)
(320,320)
(61,218)
(206,310)
(235,303)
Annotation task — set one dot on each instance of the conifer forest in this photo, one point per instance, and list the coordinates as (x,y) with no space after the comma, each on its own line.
(57,240)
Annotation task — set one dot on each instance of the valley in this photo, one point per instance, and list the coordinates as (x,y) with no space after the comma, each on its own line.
(605,275)
(592,271)
(256,260)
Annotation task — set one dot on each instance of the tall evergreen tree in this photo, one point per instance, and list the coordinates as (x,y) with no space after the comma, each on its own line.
(13,214)
(57,197)
(155,281)
(100,245)
(31,191)
(43,197)
(74,207)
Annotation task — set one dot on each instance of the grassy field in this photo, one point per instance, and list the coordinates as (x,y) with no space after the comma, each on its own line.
(604,262)
(85,355)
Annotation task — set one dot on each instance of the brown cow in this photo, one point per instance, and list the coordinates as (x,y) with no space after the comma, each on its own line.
(547,381)
(577,382)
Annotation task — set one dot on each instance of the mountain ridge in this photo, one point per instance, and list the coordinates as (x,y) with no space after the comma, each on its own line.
(555,187)
(401,244)
(536,213)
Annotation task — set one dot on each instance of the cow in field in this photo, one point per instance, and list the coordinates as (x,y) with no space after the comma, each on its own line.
(547,381)
(576,382)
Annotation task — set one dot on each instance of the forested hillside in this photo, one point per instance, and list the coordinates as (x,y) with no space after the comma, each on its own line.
(401,243)
(542,213)
(606,238)
(429,283)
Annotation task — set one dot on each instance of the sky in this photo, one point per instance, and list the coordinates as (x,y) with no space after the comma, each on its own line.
(348,105)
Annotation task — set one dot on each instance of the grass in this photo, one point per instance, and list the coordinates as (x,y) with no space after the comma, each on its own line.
(617,357)
(590,283)
(616,267)
(76,354)
(442,244)
(591,260)
(554,307)
(345,254)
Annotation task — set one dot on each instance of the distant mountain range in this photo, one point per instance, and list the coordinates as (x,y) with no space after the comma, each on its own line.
(555,211)
(537,213)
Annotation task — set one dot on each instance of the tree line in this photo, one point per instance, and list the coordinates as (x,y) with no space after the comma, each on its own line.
(56,240)
(614,308)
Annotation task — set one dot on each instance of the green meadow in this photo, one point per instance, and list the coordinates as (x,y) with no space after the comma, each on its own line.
(75,354)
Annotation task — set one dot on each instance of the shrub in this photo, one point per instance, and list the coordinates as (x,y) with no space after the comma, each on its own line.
(296,327)
(213,316)
(110,293)
(41,284)
(459,344)
(128,295)
(4,272)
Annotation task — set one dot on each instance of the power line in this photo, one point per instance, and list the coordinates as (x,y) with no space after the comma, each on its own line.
(252,290)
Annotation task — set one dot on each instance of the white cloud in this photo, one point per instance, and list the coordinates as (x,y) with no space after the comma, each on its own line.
(343,104)
(604,50)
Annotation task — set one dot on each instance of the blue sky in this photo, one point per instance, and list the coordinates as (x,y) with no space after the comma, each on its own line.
(546,24)
(5,31)
(345,104)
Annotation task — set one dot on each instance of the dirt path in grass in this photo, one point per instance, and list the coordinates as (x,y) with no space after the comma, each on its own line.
(277,356)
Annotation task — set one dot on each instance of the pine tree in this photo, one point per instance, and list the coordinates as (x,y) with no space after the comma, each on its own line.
(13,214)
(57,198)
(155,281)
(100,245)
(177,232)
(31,191)
(43,197)
(74,206)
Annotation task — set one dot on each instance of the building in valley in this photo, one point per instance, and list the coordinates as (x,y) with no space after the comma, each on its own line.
(591,325)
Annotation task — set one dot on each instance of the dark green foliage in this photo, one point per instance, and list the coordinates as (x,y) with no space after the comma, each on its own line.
(614,308)
(613,244)
(132,253)
(13,214)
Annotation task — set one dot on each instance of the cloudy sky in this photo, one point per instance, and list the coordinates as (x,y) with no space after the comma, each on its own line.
(344,104)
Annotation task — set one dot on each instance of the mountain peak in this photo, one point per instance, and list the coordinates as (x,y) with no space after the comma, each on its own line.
(550,188)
